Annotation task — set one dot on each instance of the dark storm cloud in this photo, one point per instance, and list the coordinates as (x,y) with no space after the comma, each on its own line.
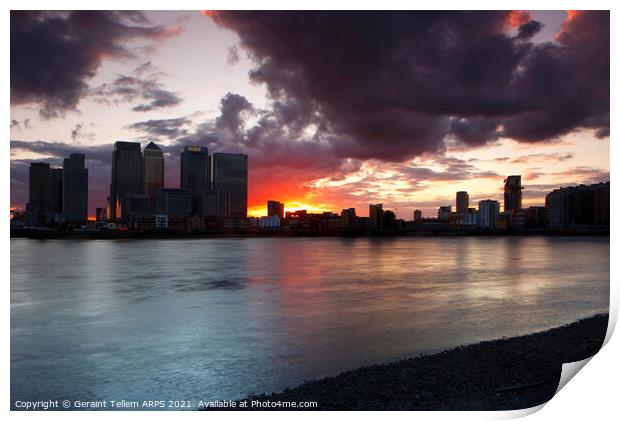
(528,30)
(54,54)
(142,85)
(393,85)
(171,128)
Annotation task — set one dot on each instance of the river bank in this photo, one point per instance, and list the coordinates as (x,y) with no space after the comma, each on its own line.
(505,374)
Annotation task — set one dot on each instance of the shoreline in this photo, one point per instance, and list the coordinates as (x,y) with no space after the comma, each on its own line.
(35,234)
(504,374)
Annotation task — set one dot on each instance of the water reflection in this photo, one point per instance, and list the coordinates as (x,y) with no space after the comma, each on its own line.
(223,318)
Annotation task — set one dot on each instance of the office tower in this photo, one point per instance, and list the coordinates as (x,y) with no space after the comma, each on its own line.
(348,218)
(512,193)
(127,176)
(444,212)
(275,208)
(153,158)
(75,189)
(194,175)
(375,215)
(417,215)
(174,203)
(229,177)
(56,193)
(40,179)
(462,202)
(489,213)
(39,194)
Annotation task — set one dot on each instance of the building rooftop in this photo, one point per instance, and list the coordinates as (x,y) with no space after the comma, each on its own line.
(152,145)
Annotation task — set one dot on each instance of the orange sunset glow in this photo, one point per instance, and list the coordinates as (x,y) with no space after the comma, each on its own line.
(408,138)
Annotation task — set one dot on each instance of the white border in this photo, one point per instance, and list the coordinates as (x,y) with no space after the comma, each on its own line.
(591,395)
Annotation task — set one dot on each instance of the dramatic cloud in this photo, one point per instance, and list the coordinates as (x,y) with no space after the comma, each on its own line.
(78,132)
(394,85)
(142,85)
(529,29)
(54,54)
(16,124)
(172,128)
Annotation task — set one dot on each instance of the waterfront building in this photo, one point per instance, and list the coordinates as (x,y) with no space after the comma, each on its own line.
(512,193)
(462,202)
(216,203)
(229,178)
(471,219)
(75,189)
(153,158)
(348,218)
(271,221)
(136,206)
(516,218)
(375,215)
(417,215)
(195,175)
(127,176)
(489,213)
(578,206)
(174,203)
(275,208)
(535,217)
(444,212)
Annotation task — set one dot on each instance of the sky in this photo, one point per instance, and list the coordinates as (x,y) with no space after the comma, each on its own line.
(333,109)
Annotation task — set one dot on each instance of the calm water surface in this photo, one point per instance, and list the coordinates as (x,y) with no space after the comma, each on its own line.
(224,318)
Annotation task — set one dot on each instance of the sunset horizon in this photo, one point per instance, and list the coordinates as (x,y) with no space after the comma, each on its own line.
(207,79)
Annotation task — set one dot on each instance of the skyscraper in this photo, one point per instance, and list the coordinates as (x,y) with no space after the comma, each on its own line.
(417,215)
(375,215)
(39,186)
(512,193)
(39,194)
(462,202)
(75,189)
(127,175)
(153,172)
(275,208)
(194,174)
(229,175)
(56,193)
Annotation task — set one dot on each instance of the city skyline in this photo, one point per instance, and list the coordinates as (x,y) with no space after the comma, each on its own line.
(215,186)
(219,99)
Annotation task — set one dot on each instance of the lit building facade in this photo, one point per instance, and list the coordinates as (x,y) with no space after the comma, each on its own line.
(127,176)
(153,158)
(488,211)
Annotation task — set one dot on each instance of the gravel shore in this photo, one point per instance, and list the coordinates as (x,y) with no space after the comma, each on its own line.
(513,373)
